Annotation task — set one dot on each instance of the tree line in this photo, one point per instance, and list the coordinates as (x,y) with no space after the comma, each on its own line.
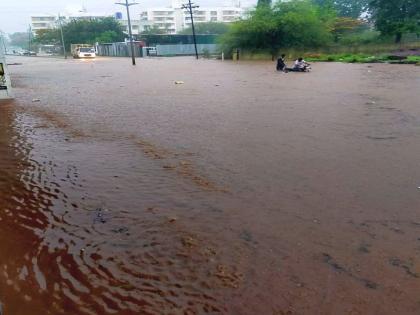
(319,23)
(105,30)
(270,25)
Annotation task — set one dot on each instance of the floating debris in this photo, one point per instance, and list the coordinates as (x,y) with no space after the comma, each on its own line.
(100,216)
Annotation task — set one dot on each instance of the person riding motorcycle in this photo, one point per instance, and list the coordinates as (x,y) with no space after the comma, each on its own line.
(300,65)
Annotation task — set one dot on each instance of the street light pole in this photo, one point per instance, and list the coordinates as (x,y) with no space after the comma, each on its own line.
(127,5)
(3,40)
(29,38)
(62,37)
(189,7)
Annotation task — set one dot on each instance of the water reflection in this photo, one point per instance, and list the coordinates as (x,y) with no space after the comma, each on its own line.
(170,200)
(61,255)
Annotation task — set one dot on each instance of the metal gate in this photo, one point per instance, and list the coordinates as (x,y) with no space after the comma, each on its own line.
(5,84)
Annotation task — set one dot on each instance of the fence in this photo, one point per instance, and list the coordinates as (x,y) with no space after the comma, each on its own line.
(185,50)
(166,39)
(118,49)
(123,49)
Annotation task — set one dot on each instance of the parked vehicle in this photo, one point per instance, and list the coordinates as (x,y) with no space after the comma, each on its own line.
(82,51)
(151,51)
(28,53)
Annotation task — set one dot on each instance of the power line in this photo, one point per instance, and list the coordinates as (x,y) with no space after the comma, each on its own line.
(127,5)
(62,36)
(30,38)
(189,7)
(3,40)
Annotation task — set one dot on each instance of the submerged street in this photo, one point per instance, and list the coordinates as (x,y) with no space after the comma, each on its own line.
(240,191)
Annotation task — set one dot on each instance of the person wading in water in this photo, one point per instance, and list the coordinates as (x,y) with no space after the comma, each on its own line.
(281,64)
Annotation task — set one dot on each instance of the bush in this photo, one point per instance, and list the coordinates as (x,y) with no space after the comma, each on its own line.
(206,53)
(362,58)
(362,38)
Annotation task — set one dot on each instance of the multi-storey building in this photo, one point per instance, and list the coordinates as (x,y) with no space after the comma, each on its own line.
(43,22)
(46,21)
(214,14)
(167,19)
(174,19)
(135,26)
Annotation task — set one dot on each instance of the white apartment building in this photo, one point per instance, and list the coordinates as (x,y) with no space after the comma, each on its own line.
(218,14)
(135,26)
(46,21)
(167,19)
(174,19)
(43,22)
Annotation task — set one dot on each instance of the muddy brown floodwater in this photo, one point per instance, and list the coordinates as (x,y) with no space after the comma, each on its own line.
(242,191)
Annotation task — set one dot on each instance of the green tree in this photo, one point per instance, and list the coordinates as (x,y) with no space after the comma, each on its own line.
(344,26)
(348,8)
(396,17)
(48,37)
(107,37)
(264,3)
(351,8)
(84,32)
(261,31)
(292,24)
(304,24)
(212,28)
(154,30)
(88,31)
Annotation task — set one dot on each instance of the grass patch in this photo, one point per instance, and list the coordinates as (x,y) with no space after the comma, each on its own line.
(414,58)
(362,58)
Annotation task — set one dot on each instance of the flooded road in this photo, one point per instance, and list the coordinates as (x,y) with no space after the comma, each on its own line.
(241,191)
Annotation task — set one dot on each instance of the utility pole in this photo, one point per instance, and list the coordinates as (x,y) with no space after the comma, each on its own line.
(127,5)
(3,40)
(29,38)
(189,7)
(62,36)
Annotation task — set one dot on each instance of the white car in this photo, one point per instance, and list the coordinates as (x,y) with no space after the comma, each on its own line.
(85,52)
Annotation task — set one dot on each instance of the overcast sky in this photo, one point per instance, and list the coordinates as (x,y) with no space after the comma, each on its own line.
(15,14)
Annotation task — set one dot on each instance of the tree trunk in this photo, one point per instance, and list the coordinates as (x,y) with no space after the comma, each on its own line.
(398,38)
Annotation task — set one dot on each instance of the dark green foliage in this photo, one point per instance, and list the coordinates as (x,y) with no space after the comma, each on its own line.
(348,8)
(166,39)
(296,23)
(362,37)
(344,26)
(351,8)
(154,30)
(211,28)
(84,32)
(48,37)
(107,37)
(363,58)
(262,3)
(396,17)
